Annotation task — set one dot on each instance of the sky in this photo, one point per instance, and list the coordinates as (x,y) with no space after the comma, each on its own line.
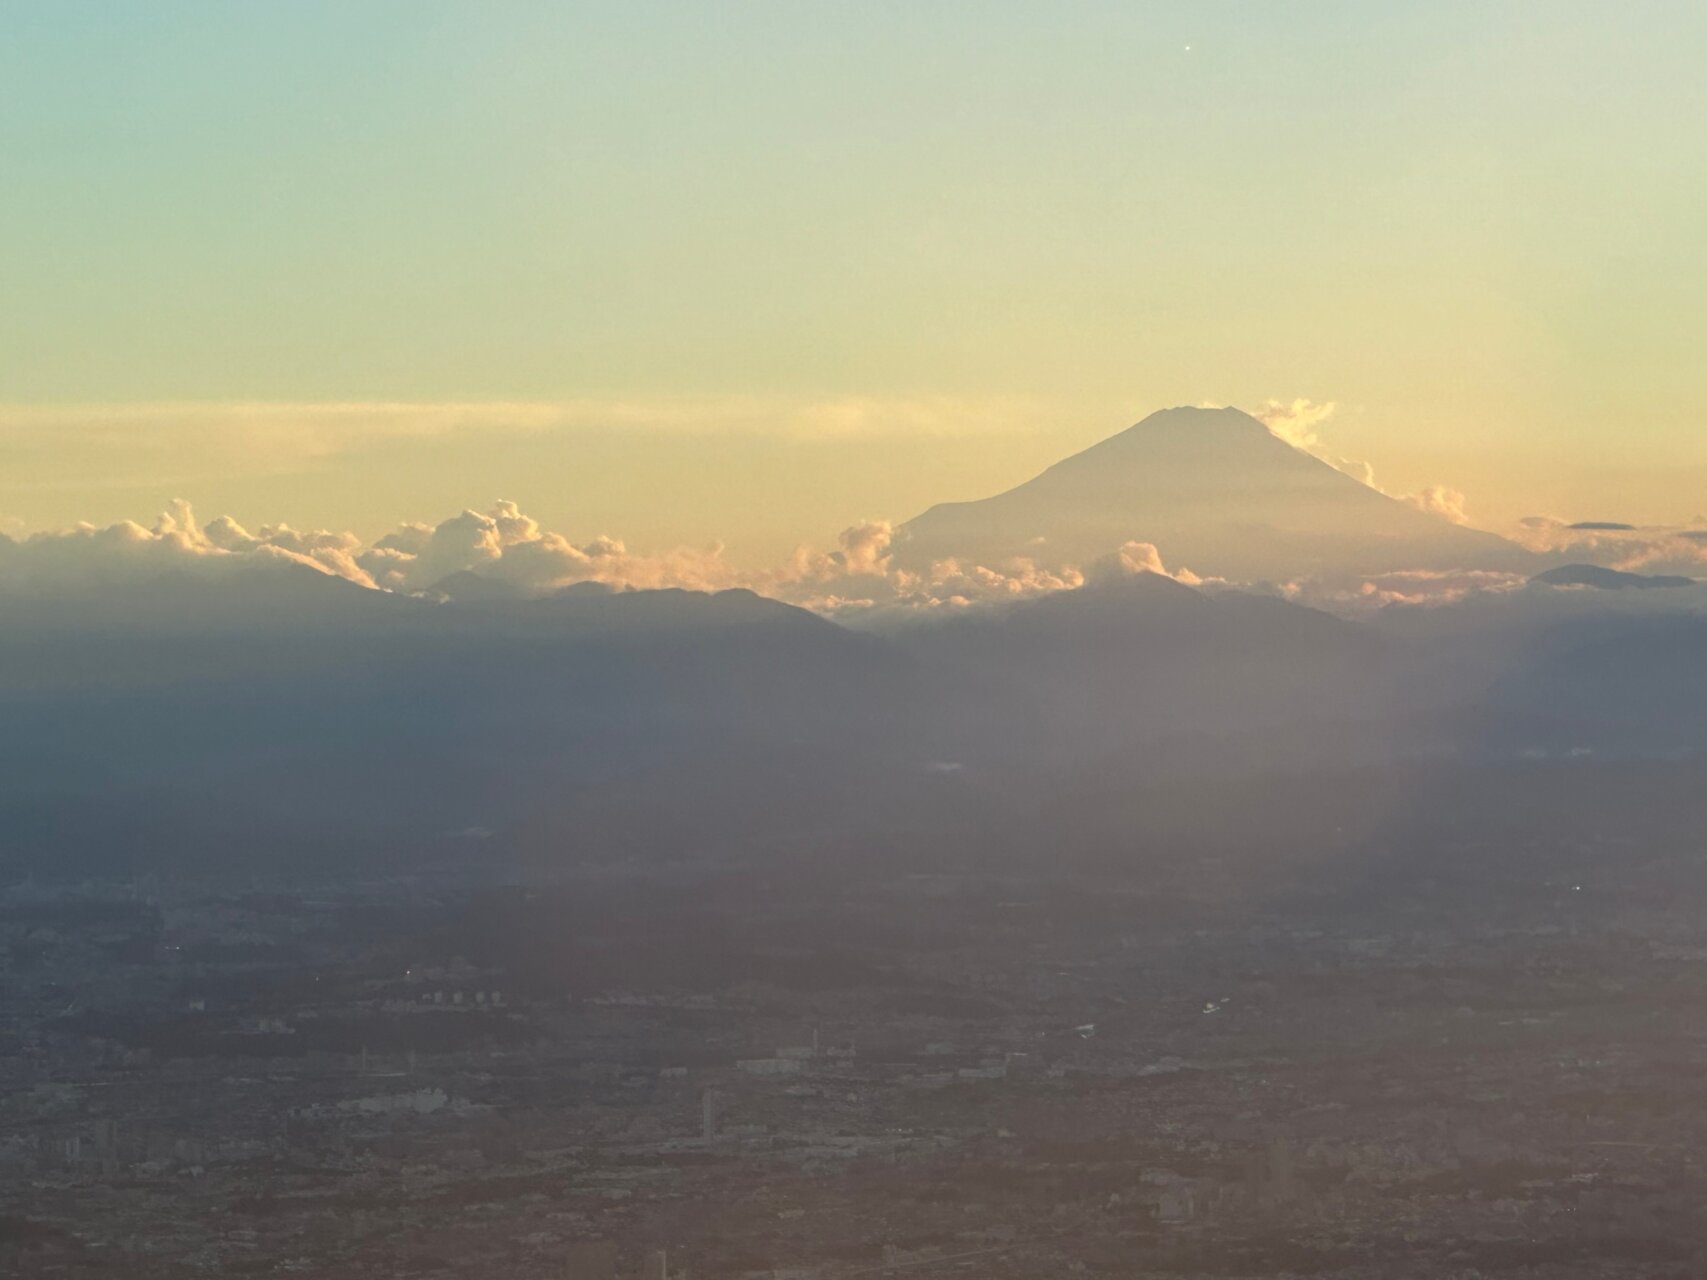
(750,273)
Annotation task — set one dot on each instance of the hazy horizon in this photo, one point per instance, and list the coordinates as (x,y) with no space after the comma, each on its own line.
(680,280)
(677,640)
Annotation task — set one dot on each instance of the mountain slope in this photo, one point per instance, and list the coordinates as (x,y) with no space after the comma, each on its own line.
(1142,666)
(1218,493)
(357,721)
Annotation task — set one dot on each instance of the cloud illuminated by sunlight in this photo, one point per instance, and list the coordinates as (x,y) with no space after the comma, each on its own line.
(1296,421)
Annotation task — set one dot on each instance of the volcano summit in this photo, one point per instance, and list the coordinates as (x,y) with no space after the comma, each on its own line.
(1217,492)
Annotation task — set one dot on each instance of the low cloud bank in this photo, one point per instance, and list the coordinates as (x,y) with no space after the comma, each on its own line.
(504,550)
(1649,549)
(89,558)
(1414,587)
(509,550)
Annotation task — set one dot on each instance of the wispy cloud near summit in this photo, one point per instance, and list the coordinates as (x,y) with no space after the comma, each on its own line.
(1296,421)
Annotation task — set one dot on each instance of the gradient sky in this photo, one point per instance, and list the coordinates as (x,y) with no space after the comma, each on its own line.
(753,271)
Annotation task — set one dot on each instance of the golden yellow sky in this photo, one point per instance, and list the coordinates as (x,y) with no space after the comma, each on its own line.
(685,273)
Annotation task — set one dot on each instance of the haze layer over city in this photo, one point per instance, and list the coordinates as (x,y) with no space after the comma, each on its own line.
(787,642)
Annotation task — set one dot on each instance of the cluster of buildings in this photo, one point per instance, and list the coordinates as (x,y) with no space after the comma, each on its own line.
(359,1082)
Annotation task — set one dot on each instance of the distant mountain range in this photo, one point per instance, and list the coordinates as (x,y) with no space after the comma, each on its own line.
(1216,492)
(195,724)
(273,717)
(1601,578)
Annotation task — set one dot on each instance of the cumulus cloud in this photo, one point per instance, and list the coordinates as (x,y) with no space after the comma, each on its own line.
(960,582)
(1135,557)
(1437,499)
(1296,421)
(505,546)
(858,576)
(85,557)
(502,544)
(862,551)
(1132,558)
